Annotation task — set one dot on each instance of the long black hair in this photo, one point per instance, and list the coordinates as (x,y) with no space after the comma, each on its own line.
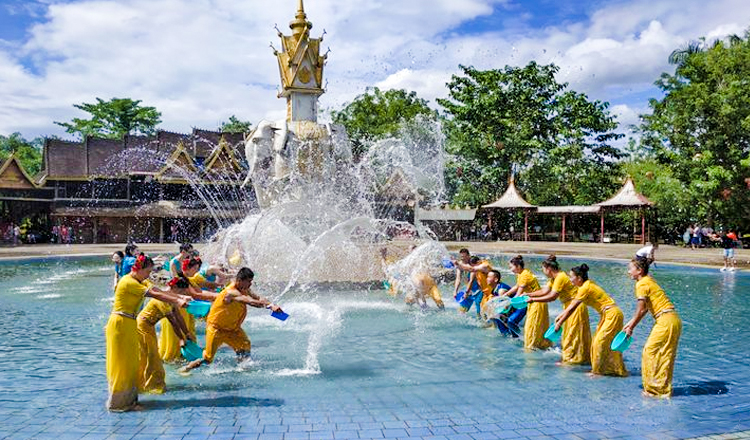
(581,271)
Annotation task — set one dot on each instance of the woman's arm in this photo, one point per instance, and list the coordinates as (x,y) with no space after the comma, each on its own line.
(168,297)
(202,295)
(640,312)
(178,324)
(566,313)
(546,294)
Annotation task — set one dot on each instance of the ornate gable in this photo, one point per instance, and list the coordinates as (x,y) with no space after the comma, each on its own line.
(12,175)
(222,160)
(178,163)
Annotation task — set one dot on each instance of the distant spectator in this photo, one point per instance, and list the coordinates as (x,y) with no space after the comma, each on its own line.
(16,235)
(727,245)
(647,252)
(687,236)
(55,233)
(695,242)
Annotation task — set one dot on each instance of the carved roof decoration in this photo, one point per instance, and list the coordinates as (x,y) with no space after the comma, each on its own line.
(511,199)
(221,158)
(178,160)
(14,176)
(300,62)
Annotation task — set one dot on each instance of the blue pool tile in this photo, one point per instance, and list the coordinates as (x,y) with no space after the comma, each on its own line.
(394,433)
(297,435)
(417,423)
(394,425)
(321,435)
(418,432)
(459,437)
(366,426)
(442,430)
(370,433)
(483,436)
(345,434)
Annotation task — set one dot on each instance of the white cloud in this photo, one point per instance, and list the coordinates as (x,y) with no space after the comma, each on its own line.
(200,61)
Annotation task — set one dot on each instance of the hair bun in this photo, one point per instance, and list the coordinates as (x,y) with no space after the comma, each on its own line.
(552,257)
(520,257)
(585,267)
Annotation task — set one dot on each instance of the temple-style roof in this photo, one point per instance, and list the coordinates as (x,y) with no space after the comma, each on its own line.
(627,197)
(134,154)
(13,176)
(446,214)
(511,199)
(222,159)
(571,209)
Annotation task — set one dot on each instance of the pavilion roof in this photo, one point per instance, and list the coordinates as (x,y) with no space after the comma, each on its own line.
(627,197)
(510,199)
(572,209)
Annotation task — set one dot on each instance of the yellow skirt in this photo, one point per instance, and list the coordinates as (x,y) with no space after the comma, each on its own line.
(537,322)
(169,343)
(659,353)
(122,363)
(604,361)
(151,375)
(576,337)
(434,293)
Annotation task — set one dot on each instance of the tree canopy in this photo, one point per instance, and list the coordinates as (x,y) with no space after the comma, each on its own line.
(28,153)
(700,129)
(235,125)
(114,119)
(376,114)
(521,117)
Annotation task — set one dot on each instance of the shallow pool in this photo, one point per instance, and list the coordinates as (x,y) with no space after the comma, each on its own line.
(360,364)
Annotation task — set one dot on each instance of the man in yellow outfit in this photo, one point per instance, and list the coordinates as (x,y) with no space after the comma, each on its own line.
(224,321)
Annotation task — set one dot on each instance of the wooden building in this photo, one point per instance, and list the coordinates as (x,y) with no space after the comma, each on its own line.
(158,188)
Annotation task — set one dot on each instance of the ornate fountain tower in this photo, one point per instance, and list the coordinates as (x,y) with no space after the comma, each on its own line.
(301,69)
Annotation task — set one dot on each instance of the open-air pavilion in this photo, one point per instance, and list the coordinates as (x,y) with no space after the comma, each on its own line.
(627,198)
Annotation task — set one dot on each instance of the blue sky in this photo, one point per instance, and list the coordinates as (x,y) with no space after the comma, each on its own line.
(201,61)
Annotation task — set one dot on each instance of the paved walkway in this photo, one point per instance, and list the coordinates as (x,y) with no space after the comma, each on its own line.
(668,254)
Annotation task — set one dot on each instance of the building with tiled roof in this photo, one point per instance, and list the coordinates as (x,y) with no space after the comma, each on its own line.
(137,188)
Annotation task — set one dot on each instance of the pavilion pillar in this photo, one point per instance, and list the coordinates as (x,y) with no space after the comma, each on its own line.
(161,230)
(94,229)
(525,225)
(601,231)
(643,227)
(563,228)
(203,228)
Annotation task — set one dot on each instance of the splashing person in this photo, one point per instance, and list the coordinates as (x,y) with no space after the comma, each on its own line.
(117,258)
(464,257)
(175,263)
(224,321)
(604,361)
(660,351)
(169,341)
(537,315)
(131,251)
(478,290)
(122,333)
(576,338)
(507,323)
(151,376)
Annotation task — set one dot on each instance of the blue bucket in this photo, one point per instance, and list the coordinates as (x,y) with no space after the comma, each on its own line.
(464,300)
(519,302)
(553,335)
(448,264)
(199,309)
(280,315)
(621,342)
(191,351)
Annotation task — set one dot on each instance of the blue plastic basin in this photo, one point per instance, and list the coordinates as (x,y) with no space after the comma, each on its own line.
(281,315)
(621,342)
(553,335)
(519,302)
(191,351)
(448,264)
(199,309)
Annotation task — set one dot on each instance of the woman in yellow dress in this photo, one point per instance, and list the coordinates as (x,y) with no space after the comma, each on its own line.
(151,371)
(576,338)
(122,333)
(169,343)
(537,316)
(660,351)
(604,361)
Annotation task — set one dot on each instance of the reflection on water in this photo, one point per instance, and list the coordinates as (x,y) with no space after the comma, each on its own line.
(363,350)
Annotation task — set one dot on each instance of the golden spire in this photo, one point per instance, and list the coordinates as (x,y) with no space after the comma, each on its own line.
(300,23)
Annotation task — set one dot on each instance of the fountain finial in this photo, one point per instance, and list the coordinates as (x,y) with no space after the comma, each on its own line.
(300,24)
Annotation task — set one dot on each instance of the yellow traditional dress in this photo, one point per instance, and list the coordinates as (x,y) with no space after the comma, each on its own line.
(122,344)
(169,344)
(660,351)
(484,285)
(224,326)
(576,337)
(151,375)
(537,315)
(603,360)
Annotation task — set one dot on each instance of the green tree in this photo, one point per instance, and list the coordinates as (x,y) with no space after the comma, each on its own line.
(558,140)
(234,125)
(114,119)
(376,115)
(700,129)
(28,153)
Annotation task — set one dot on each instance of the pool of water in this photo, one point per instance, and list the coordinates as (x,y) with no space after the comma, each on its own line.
(361,364)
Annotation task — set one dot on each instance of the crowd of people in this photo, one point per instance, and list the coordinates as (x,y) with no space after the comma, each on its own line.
(135,356)
(697,236)
(479,286)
